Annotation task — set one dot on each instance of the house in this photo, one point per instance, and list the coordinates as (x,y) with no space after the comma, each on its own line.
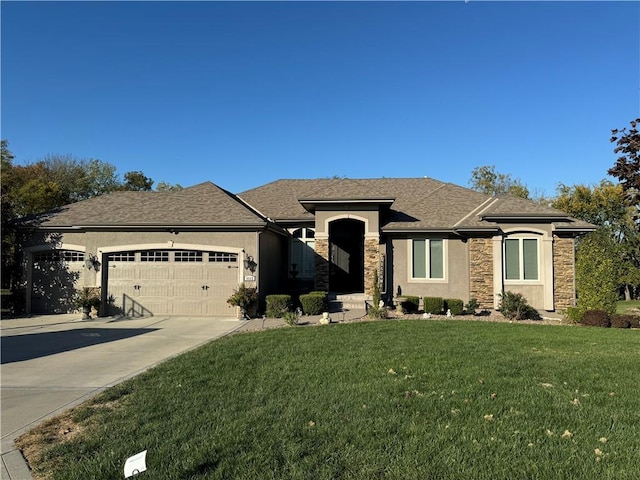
(184,252)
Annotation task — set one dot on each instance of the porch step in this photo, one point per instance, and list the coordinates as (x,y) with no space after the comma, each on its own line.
(349,301)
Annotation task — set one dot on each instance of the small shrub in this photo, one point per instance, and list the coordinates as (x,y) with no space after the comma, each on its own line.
(574,314)
(278,305)
(376,312)
(596,318)
(410,304)
(635,321)
(291,318)
(314,303)
(472,306)
(243,297)
(622,321)
(515,307)
(455,305)
(433,305)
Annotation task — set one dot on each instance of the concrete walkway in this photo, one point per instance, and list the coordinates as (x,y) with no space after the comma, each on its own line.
(51,363)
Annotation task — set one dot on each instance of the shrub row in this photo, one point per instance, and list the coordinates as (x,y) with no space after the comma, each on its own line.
(433,305)
(600,318)
(314,303)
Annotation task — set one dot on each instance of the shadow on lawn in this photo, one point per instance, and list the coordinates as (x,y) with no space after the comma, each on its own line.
(19,348)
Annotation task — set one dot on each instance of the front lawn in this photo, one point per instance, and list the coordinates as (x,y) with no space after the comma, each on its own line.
(625,306)
(412,399)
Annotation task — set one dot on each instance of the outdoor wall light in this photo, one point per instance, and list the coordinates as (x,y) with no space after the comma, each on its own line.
(92,263)
(250,264)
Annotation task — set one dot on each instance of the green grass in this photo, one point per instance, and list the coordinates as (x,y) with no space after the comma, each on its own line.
(623,306)
(378,400)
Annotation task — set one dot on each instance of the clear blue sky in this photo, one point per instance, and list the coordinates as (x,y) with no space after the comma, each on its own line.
(244,93)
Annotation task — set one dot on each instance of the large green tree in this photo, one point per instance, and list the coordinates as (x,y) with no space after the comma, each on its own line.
(627,166)
(604,205)
(485,179)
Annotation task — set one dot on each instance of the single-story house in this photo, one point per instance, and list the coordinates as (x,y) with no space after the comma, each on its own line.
(184,252)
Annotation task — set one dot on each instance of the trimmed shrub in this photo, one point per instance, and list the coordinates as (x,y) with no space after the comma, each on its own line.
(635,321)
(596,318)
(515,307)
(314,303)
(278,305)
(573,314)
(410,304)
(622,321)
(455,305)
(596,272)
(433,305)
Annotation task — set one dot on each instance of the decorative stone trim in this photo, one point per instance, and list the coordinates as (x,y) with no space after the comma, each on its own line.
(481,271)
(322,264)
(371,263)
(563,272)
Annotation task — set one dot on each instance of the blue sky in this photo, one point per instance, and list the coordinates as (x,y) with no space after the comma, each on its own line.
(244,93)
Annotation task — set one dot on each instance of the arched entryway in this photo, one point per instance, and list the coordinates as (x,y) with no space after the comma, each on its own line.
(346,249)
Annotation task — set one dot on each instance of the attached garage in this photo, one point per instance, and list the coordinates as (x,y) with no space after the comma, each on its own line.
(171,282)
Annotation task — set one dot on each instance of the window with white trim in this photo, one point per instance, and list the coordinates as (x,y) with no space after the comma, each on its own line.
(154,256)
(427,258)
(58,256)
(187,256)
(521,259)
(302,252)
(223,257)
(122,257)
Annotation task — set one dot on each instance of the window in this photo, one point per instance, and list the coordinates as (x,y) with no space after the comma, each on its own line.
(154,256)
(122,257)
(58,256)
(521,259)
(302,253)
(427,258)
(223,257)
(187,256)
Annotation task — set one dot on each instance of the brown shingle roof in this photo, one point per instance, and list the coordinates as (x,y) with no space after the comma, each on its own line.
(201,205)
(420,203)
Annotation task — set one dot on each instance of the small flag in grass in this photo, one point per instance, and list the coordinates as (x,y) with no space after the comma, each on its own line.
(135,465)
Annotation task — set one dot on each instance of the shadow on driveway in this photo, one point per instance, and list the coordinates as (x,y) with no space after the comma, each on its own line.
(19,348)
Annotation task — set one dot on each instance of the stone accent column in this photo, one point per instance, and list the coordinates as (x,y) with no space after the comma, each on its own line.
(371,262)
(321,282)
(564,273)
(481,271)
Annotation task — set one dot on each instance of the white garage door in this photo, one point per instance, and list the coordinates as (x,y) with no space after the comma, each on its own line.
(55,276)
(172,282)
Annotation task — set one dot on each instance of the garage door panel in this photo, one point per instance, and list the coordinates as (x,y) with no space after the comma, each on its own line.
(175,283)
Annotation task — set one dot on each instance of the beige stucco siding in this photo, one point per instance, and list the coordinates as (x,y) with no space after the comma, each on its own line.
(456,281)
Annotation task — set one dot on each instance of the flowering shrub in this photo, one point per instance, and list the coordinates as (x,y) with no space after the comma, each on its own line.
(515,306)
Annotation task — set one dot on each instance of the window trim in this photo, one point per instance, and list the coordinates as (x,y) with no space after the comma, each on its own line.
(445,260)
(521,263)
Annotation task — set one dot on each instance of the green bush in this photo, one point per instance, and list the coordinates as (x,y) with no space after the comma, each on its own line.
(573,314)
(433,305)
(409,304)
(515,307)
(278,305)
(291,318)
(314,303)
(455,305)
(472,306)
(635,321)
(596,318)
(622,321)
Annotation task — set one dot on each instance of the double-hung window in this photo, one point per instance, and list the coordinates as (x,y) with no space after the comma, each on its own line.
(427,259)
(521,259)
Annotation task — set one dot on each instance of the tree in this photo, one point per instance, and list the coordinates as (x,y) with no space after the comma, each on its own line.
(486,180)
(604,205)
(596,273)
(167,187)
(627,167)
(137,181)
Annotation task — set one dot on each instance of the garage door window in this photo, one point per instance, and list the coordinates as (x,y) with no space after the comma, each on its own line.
(122,257)
(154,256)
(187,256)
(59,256)
(223,257)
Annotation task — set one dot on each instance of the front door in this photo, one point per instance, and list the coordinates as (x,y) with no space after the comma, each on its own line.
(346,247)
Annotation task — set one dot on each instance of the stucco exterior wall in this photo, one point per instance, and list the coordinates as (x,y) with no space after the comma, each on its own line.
(455,283)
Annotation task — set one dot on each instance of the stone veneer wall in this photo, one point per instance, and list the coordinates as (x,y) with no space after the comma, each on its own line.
(371,263)
(563,273)
(481,271)
(322,264)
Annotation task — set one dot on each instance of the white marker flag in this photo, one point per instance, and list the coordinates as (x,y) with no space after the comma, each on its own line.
(135,465)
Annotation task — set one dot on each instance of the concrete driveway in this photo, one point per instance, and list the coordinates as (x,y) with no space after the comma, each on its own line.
(54,362)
